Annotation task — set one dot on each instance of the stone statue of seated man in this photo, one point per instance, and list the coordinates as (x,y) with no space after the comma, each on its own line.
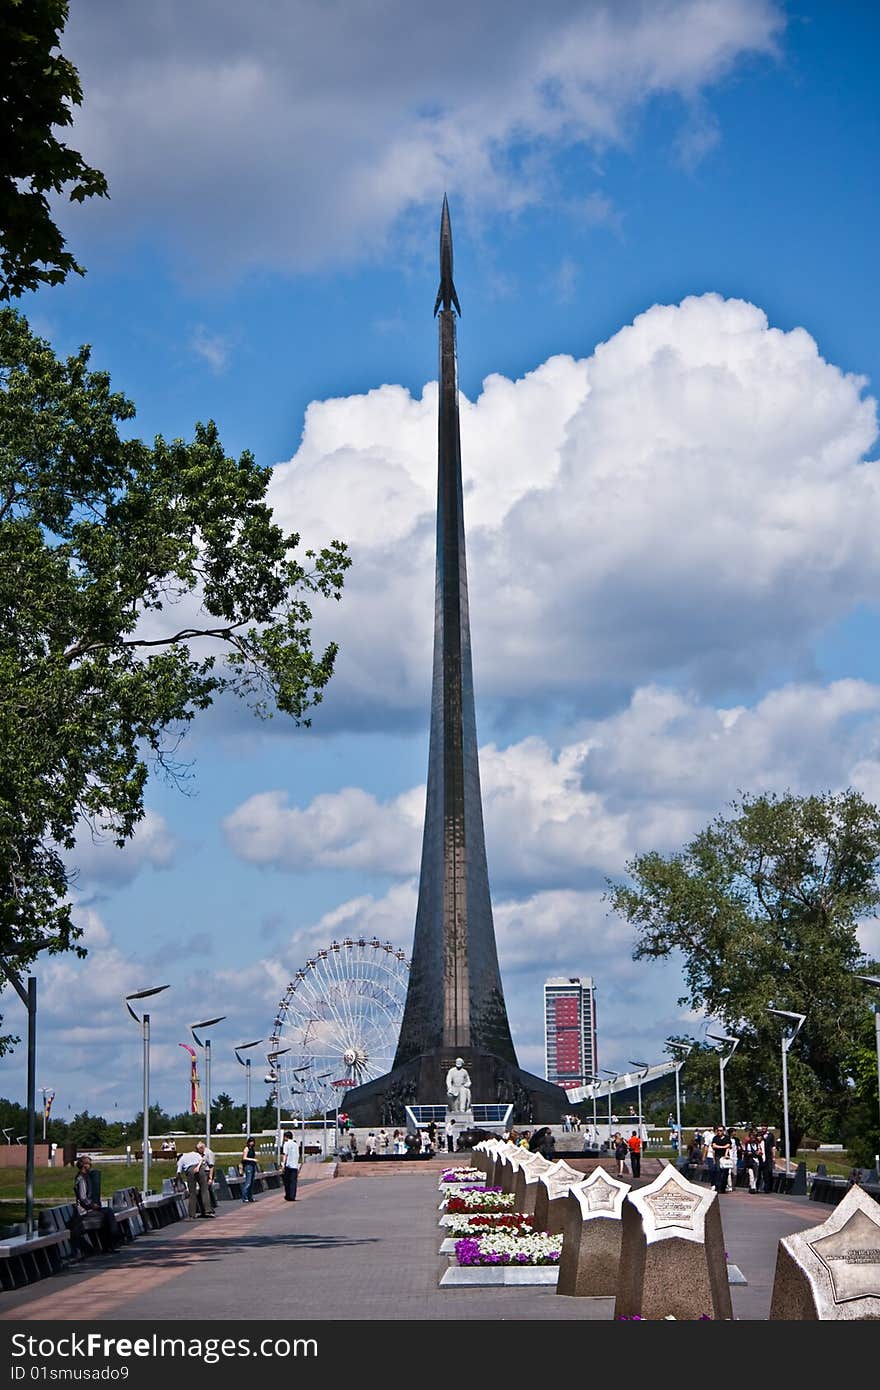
(458,1087)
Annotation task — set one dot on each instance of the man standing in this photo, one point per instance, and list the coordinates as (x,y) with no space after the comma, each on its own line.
(449,1128)
(210,1163)
(634,1144)
(721,1156)
(290,1171)
(768,1159)
(191,1166)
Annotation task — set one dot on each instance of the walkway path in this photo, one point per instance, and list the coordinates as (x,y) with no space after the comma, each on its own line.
(362,1246)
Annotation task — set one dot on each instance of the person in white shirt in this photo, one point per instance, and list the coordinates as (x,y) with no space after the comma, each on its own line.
(290,1152)
(191,1166)
(210,1164)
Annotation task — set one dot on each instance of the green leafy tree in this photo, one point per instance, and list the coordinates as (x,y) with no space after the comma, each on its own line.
(102,539)
(762,908)
(40,90)
(87,1131)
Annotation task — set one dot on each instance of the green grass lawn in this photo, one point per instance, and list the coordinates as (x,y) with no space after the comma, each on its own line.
(52,1186)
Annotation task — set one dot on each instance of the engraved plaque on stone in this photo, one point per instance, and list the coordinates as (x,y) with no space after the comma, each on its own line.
(592,1234)
(525,1187)
(832,1272)
(672,1260)
(553,1188)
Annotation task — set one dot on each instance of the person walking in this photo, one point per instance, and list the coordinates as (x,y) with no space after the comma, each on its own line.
(634,1144)
(449,1129)
(735,1156)
(768,1159)
(290,1172)
(248,1168)
(621,1153)
(752,1159)
(721,1159)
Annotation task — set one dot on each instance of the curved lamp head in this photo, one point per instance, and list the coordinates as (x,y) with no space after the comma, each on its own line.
(205,1023)
(645,1066)
(242,1047)
(142,994)
(797,1019)
(725,1038)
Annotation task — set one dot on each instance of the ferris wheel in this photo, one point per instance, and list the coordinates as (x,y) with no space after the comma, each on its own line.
(338,1023)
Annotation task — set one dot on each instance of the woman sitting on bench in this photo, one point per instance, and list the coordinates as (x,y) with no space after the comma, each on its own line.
(90,1216)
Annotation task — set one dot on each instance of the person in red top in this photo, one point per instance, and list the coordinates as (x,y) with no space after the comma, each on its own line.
(634,1144)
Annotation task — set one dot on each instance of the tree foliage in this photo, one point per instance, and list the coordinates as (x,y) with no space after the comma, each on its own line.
(137,582)
(40,89)
(763,908)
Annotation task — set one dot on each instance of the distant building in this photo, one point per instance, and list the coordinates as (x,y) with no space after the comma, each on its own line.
(570,1057)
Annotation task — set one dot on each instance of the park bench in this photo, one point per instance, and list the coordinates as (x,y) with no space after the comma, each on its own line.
(175,1187)
(56,1221)
(162,1209)
(130,1216)
(229,1184)
(25,1259)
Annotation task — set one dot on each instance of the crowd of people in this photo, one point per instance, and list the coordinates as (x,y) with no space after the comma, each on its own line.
(726,1154)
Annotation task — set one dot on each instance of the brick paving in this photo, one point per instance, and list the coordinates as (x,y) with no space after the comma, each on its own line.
(362,1246)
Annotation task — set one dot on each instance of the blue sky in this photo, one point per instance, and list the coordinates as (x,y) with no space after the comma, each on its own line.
(665,226)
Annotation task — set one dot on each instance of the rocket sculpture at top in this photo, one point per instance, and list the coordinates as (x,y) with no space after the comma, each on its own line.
(446,295)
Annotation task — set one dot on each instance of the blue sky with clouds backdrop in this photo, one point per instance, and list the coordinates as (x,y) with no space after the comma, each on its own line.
(665,222)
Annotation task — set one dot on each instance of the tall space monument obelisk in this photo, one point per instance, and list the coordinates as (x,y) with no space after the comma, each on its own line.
(455,1002)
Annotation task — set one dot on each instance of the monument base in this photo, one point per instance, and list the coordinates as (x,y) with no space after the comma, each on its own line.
(418,1082)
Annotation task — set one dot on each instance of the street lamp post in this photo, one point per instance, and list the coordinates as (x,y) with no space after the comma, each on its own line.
(28,996)
(875,981)
(272,1058)
(722,1063)
(686,1049)
(323,1076)
(206,1023)
(789,1034)
(145,1026)
(613,1075)
(643,1073)
(242,1047)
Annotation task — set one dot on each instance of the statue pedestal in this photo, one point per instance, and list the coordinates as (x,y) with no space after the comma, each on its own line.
(462,1118)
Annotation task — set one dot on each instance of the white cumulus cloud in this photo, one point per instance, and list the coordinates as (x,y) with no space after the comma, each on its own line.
(695,500)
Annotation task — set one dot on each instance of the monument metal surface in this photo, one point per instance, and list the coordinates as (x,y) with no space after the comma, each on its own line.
(592,1235)
(672,1260)
(455,1002)
(832,1272)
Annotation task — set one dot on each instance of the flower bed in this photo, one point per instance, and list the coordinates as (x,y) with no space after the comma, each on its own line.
(480,1199)
(474,1175)
(501,1248)
(483,1223)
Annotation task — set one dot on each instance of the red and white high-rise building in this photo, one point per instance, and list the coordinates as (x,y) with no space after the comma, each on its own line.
(570,1057)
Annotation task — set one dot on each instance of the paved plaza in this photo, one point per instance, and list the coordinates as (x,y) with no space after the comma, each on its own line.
(362,1246)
